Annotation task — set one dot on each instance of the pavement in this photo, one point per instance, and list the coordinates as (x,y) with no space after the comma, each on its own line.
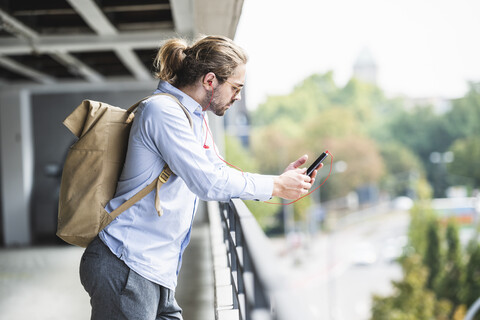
(42,283)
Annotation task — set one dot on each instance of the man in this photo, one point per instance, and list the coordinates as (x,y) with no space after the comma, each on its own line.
(130,270)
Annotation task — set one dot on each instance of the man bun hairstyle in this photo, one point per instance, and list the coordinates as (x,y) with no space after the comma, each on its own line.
(181,65)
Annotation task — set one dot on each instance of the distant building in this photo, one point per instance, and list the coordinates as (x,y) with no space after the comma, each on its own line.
(365,68)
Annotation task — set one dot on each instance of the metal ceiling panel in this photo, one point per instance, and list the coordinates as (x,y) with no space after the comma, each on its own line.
(98,41)
(45,64)
(26,25)
(104,62)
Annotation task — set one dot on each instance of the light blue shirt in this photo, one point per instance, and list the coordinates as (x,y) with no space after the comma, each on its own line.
(151,245)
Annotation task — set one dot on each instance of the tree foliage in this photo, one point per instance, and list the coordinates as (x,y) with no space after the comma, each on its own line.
(450,282)
(462,119)
(433,255)
(421,217)
(465,167)
(385,143)
(472,275)
(311,96)
(237,155)
(402,168)
(318,112)
(410,299)
(317,116)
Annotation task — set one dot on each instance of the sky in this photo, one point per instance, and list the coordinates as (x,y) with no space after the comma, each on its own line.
(423,48)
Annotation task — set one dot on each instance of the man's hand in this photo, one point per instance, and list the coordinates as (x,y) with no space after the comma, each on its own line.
(300,162)
(297,163)
(293,183)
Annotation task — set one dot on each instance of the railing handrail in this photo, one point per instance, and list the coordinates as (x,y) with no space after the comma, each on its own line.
(259,290)
(473,310)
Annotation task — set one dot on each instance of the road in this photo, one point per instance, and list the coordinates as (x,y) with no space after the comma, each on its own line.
(336,274)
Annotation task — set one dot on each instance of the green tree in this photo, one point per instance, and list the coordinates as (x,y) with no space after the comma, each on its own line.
(433,255)
(465,165)
(237,155)
(364,164)
(314,94)
(319,116)
(326,124)
(472,275)
(421,130)
(424,132)
(403,168)
(462,119)
(423,189)
(410,300)
(451,282)
(274,146)
(420,217)
(364,98)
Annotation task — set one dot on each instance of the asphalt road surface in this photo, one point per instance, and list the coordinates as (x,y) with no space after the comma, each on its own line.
(335,274)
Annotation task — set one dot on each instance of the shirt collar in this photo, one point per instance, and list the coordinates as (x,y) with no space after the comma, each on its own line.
(187,101)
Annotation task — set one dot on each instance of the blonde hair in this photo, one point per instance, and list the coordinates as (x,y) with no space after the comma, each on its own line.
(182,65)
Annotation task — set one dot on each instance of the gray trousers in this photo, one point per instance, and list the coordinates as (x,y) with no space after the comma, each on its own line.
(117,292)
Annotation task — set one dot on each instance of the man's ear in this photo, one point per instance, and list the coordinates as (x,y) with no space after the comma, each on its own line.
(209,80)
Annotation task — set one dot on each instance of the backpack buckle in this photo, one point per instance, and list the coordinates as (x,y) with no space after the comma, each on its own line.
(165,174)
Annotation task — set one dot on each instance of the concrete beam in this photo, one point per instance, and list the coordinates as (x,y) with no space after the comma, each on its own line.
(16,27)
(28,72)
(183,16)
(86,43)
(20,30)
(93,16)
(218,17)
(111,84)
(133,63)
(78,66)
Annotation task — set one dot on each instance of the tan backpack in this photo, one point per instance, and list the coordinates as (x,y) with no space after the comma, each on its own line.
(92,169)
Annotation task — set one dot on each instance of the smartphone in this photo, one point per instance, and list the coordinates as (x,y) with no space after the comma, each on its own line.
(316,163)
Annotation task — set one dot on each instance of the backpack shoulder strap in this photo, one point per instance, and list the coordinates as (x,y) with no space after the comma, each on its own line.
(164,175)
(132,109)
(162,178)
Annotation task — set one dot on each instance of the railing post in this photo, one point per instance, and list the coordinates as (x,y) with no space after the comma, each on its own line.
(224,294)
(259,291)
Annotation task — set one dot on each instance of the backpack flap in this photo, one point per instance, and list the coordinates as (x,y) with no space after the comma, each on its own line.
(76,120)
(85,116)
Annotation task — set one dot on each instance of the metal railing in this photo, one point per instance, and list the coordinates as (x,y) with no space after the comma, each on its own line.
(473,310)
(247,271)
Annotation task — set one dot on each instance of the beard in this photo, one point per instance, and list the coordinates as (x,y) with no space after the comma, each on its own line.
(217,106)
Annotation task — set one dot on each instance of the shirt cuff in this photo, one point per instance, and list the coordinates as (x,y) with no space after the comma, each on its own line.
(263,186)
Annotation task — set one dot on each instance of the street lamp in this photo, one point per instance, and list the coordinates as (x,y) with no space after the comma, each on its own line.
(439,157)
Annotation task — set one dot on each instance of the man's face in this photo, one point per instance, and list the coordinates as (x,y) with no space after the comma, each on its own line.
(227,93)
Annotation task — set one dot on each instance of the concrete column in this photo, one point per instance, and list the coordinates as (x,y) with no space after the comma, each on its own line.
(17,164)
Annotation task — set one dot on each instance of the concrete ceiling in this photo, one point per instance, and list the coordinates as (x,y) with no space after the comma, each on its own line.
(99,42)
